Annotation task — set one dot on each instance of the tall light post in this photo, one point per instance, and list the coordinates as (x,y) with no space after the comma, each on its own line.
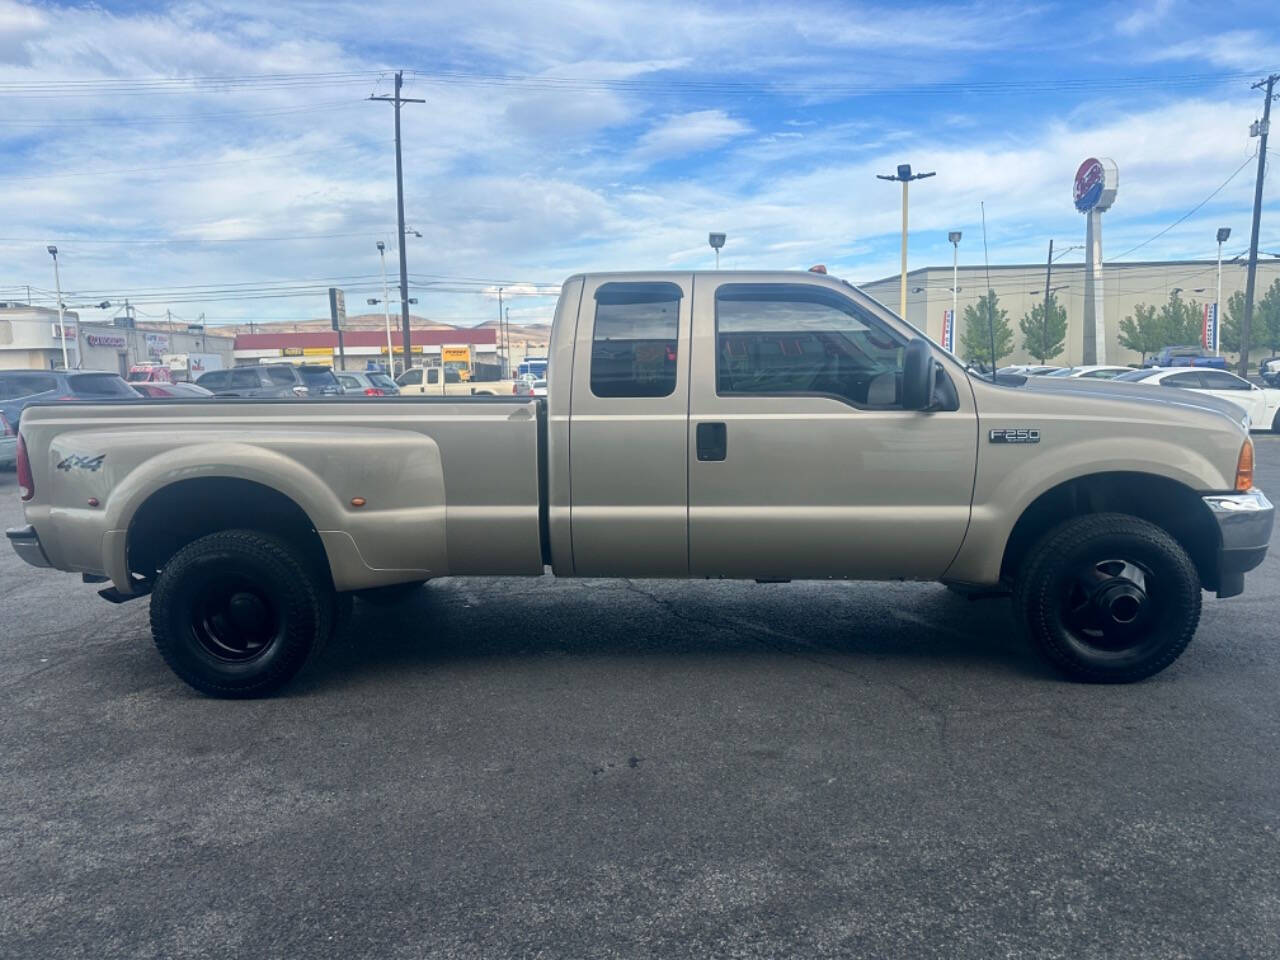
(386,309)
(954,237)
(62,326)
(904,176)
(717,241)
(1223,234)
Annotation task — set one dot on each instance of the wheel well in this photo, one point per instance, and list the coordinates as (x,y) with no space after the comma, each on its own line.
(1164,502)
(187,510)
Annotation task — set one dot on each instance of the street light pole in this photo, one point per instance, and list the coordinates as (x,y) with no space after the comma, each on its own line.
(954,237)
(386,310)
(1223,234)
(62,318)
(905,176)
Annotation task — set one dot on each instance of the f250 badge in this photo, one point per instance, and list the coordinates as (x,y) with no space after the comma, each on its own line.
(1015,435)
(80,462)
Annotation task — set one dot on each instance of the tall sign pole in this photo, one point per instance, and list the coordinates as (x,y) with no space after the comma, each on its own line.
(1094,192)
(398,101)
(1223,234)
(1259,130)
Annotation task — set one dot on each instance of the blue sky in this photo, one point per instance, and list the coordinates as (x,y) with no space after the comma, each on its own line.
(573,135)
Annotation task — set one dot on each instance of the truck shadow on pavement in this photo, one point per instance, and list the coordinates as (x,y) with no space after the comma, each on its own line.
(859,627)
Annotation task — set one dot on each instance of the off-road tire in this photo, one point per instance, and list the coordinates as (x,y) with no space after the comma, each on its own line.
(290,605)
(1091,549)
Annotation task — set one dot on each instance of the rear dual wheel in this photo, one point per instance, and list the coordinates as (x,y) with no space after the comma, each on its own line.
(1108,598)
(238,613)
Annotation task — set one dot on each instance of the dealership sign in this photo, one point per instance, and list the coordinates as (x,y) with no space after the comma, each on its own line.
(113,340)
(1095,185)
(1209,329)
(949,330)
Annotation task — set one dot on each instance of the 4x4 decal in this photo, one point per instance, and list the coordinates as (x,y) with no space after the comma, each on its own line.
(80,462)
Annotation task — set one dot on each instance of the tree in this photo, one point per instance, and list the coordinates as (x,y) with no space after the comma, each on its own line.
(1183,322)
(1232,318)
(1265,329)
(979,320)
(1266,319)
(1142,331)
(1044,339)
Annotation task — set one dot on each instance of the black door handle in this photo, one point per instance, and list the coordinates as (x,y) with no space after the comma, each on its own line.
(713,441)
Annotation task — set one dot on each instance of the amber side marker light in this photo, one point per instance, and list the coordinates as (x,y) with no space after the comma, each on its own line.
(358,501)
(1244,468)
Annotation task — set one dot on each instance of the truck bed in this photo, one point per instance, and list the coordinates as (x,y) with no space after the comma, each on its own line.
(450,485)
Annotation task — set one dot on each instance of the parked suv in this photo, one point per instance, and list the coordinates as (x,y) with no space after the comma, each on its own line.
(272,380)
(21,388)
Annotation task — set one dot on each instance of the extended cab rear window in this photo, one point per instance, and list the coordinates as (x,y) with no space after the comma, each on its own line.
(633,343)
(784,339)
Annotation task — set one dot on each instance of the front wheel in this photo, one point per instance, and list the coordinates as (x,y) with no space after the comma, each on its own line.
(1108,598)
(238,613)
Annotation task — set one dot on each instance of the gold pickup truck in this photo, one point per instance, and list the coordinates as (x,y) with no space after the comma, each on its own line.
(762,426)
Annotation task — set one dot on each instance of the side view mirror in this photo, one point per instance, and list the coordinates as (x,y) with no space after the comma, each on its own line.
(918,376)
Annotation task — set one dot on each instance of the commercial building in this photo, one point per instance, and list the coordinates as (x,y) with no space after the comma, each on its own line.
(1021,286)
(475,349)
(29,339)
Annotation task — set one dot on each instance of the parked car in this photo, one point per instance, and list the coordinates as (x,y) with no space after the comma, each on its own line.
(539,388)
(369,384)
(1028,369)
(1090,372)
(268,380)
(170,391)
(8,444)
(1269,371)
(1186,356)
(745,425)
(150,373)
(1262,404)
(21,388)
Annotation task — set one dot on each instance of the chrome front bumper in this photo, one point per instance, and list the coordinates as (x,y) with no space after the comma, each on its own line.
(26,544)
(1245,521)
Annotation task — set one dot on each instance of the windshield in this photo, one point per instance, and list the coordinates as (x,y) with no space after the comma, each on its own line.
(1064,372)
(1135,375)
(381,380)
(100,385)
(318,377)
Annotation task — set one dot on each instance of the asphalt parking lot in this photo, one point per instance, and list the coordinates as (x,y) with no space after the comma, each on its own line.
(517,768)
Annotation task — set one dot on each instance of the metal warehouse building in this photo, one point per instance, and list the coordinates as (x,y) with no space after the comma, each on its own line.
(1021,286)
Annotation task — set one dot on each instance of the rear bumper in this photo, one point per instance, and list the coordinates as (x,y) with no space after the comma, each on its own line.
(1245,521)
(26,544)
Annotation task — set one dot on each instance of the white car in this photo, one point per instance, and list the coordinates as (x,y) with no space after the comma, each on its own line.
(1261,403)
(1090,372)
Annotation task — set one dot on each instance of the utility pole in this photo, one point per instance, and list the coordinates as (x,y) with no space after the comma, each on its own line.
(500,312)
(904,175)
(1260,130)
(398,100)
(506,345)
(1048,294)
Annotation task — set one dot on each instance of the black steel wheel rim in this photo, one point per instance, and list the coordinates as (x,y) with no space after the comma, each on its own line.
(1110,605)
(234,620)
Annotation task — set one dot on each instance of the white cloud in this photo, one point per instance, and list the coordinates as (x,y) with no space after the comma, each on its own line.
(689,133)
(1144,16)
(1235,49)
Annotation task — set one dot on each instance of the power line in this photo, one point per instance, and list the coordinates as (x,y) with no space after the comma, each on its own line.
(1190,212)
